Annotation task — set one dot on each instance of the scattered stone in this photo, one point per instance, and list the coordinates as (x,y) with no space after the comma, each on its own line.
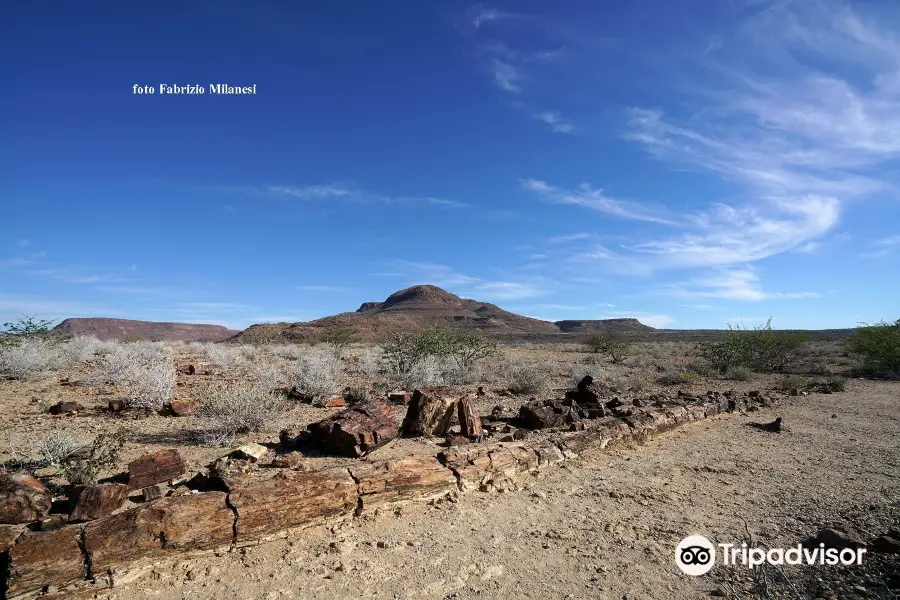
(430,412)
(454,439)
(399,397)
(66,408)
(638,402)
(8,536)
(53,522)
(773,427)
(228,474)
(289,436)
(23,498)
(795,392)
(157,467)
(252,452)
(335,401)
(184,407)
(188,370)
(357,430)
(753,394)
(117,405)
(99,500)
(291,460)
(152,492)
(46,472)
(543,414)
(614,403)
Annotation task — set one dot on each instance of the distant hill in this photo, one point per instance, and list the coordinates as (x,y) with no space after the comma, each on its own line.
(413,309)
(122,329)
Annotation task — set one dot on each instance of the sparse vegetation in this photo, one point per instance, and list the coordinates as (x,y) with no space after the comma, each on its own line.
(32,358)
(761,349)
(316,374)
(26,326)
(679,377)
(738,373)
(525,378)
(83,469)
(789,382)
(616,349)
(879,347)
(58,447)
(338,338)
(235,408)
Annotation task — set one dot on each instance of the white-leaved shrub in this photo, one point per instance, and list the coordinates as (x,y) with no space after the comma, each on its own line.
(316,374)
(32,358)
(526,378)
(150,385)
(241,407)
(59,446)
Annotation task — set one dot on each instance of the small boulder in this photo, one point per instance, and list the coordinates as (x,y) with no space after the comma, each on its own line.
(183,407)
(886,544)
(117,405)
(252,452)
(399,397)
(543,414)
(23,499)
(157,467)
(152,492)
(835,538)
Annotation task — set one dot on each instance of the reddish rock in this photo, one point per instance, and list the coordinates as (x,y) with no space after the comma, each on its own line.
(46,558)
(152,492)
(357,430)
(117,406)
(399,397)
(100,500)
(157,467)
(470,423)
(184,407)
(430,412)
(335,401)
(543,414)
(292,499)
(411,478)
(164,527)
(23,498)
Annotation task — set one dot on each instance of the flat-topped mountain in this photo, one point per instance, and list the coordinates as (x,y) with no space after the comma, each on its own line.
(420,306)
(122,329)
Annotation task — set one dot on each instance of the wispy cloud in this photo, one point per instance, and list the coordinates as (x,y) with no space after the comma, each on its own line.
(328,192)
(883,247)
(555,120)
(588,197)
(571,237)
(739,283)
(312,191)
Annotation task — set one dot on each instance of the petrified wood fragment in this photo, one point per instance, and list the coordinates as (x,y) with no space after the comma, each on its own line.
(357,430)
(157,467)
(430,412)
(411,478)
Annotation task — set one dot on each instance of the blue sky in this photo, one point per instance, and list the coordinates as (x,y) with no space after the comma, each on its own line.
(686,163)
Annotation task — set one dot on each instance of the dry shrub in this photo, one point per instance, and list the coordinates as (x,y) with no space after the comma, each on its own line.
(316,374)
(526,378)
(232,409)
(32,358)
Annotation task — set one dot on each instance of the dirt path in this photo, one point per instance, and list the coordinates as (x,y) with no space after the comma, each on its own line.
(604,527)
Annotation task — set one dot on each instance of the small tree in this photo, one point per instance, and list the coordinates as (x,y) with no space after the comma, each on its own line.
(614,348)
(27,325)
(472,348)
(879,345)
(338,338)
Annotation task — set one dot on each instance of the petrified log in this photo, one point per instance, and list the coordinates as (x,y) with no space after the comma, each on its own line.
(163,527)
(45,558)
(155,468)
(469,422)
(430,412)
(357,430)
(292,499)
(411,478)
(8,536)
(183,407)
(23,498)
(98,501)
(541,414)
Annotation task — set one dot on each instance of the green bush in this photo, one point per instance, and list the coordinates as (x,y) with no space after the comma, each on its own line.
(403,352)
(761,349)
(339,338)
(879,346)
(614,348)
(738,373)
(678,378)
(104,453)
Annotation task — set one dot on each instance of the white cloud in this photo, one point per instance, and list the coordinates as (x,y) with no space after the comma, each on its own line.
(738,283)
(471,287)
(572,237)
(506,76)
(556,121)
(883,247)
(588,197)
(810,247)
(312,191)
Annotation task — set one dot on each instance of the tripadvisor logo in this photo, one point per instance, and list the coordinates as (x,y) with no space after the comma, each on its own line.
(695,555)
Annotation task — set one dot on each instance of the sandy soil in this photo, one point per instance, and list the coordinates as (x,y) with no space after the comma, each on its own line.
(605,527)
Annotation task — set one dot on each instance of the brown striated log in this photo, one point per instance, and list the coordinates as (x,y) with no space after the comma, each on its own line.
(23,498)
(641,423)
(45,558)
(430,412)
(159,529)
(470,423)
(157,467)
(581,442)
(357,430)
(472,465)
(411,478)
(98,501)
(292,499)
(548,454)
(663,420)
(184,407)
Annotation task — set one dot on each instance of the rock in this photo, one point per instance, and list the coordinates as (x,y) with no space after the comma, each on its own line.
(99,500)
(454,439)
(46,472)
(357,430)
(66,408)
(23,498)
(886,544)
(773,427)
(152,492)
(227,473)
(43,559)
(542,414)
(335,401)
(157,467)
(291,460)
(399,397)
(470,423)
(292,499)
(150,532)
(614,403)
(252,452)
(795,392)
(188,369)
(753,394)
(185,407)
(8,536)
(639,402)
(417,477)
(289,436)
(430,412)
(53,522)
(116,405)
(835,538)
